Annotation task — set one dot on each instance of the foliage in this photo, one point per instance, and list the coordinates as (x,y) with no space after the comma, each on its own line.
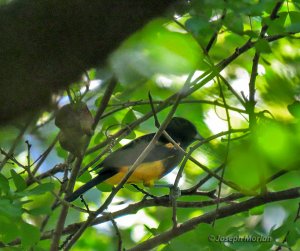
(240,60)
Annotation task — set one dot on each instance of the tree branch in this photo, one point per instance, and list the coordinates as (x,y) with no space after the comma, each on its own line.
(223,212)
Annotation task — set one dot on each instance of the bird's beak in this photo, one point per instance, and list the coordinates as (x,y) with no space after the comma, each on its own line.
(198,137)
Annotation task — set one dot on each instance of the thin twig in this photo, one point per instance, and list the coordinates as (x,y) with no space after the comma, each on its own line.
(45,155)
(15,143)
(227,147)
(118,233)
(251,102)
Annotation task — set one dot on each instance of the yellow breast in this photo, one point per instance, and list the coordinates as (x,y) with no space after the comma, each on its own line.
(145,173)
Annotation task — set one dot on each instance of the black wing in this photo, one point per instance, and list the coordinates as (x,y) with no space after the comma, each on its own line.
(129,153)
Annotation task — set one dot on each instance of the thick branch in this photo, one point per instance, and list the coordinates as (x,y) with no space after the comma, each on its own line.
(223,212)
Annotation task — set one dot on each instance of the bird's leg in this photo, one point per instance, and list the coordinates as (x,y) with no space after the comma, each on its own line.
(175,192)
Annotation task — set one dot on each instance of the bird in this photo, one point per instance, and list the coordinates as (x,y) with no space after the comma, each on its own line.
(162,159)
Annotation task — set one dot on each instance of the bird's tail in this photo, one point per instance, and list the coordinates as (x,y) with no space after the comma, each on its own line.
(102,176)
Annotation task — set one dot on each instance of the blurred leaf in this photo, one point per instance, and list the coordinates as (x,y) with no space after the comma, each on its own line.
(197,24)
(234,22)
(19,182)
(104,187)
(294,109)
(61,152)
(29,234)
(283,229)
(265,246)
(282,154)
(9,209)
(257,210)
(156,50)
(8,229)
(242,169)
(263,46)
(293,237)
(39,189)
(129,117)
(85,177)
(40,210)
(277,25)
(4,185)
(295,21)
(278,90)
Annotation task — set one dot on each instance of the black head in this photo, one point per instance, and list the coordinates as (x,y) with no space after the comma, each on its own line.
(182,131)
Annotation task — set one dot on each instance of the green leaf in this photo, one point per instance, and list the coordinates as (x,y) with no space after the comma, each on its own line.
(234,22)
(40,189)
(29,234)
(130,188)
(277,25)
(104,187)
(19,182)
(279,232)
(8,229)
(295,22)
(9,209)
(292,237)
(85,177)
(197,24)
(263,46)
(4,185)
(61,152)
(265,246)
(257,210)
(251,34)
(129,117)
(40,210)
(294,109)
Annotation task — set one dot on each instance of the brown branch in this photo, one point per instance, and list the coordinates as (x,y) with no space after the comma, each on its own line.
(163,201)
(251,102)
(223,212)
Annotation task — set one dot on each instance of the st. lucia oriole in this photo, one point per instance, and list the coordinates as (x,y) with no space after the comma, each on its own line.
(162,159)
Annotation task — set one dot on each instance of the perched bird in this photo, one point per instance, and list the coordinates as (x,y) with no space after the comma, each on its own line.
(162,159)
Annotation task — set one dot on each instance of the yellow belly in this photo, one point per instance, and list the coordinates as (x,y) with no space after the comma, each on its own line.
(145,173)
